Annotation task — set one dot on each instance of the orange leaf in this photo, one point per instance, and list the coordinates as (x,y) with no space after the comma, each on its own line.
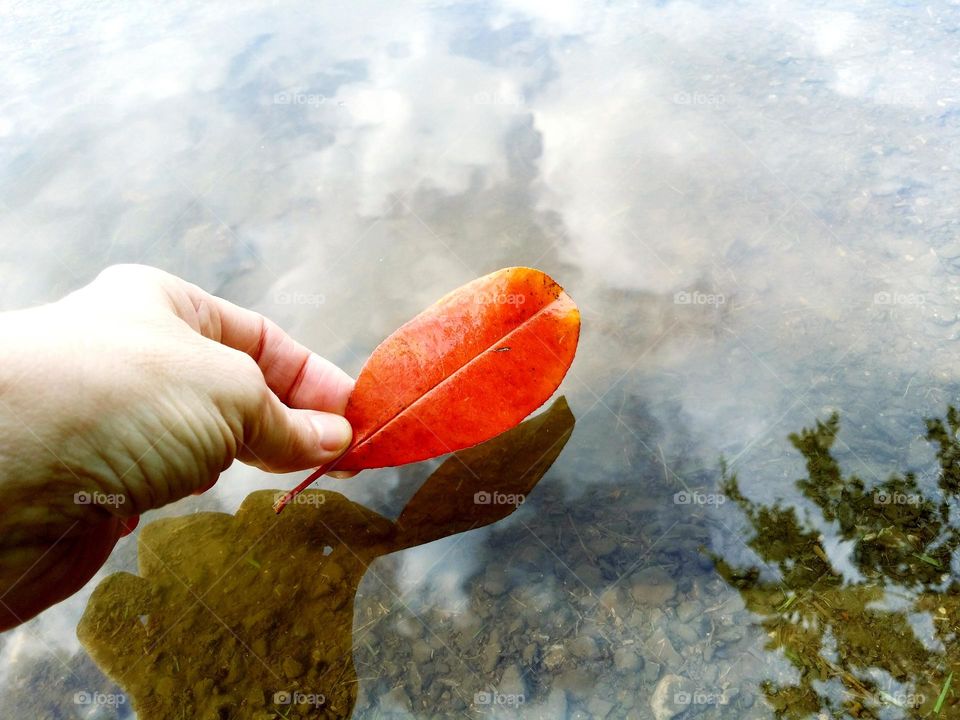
(469,367)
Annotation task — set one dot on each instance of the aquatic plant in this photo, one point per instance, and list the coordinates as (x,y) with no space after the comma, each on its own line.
(838,630)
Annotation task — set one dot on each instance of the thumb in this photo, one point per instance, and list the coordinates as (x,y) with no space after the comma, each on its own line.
(283,439)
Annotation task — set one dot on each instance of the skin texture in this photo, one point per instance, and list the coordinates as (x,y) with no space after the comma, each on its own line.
(131,393)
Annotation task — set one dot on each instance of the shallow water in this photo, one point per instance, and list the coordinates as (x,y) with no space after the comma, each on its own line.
(754,205)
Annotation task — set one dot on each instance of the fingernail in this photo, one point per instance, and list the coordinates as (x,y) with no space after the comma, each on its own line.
(335,432)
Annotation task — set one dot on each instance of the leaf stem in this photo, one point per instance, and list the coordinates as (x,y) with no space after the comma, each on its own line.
(280,504)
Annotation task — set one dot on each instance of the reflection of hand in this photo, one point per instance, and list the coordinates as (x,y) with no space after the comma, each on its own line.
(133,392)
(283,586)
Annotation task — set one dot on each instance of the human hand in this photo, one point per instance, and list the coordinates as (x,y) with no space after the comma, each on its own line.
(128,394)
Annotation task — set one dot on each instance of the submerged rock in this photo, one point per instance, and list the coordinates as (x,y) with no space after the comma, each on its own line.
(652,586)
(553,707)
(495,582)
(626,659)
(421,652)
(585,648)
(659,647)
(553,657)
(668,698)
(511,682)
(687,610)
(396,699)
(599,707)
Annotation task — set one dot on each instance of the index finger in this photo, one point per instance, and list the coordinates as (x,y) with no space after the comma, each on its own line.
(299,377)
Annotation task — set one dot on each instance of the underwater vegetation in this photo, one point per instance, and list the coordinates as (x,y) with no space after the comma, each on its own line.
(857,643)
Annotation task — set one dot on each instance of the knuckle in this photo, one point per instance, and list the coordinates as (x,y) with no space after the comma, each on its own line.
(132,275)
(249,374)
(123,271)
(247,386)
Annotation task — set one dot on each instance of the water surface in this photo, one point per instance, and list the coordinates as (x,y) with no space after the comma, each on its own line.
(754,205)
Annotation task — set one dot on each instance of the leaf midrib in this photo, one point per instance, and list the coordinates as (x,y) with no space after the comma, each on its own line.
(440,382)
